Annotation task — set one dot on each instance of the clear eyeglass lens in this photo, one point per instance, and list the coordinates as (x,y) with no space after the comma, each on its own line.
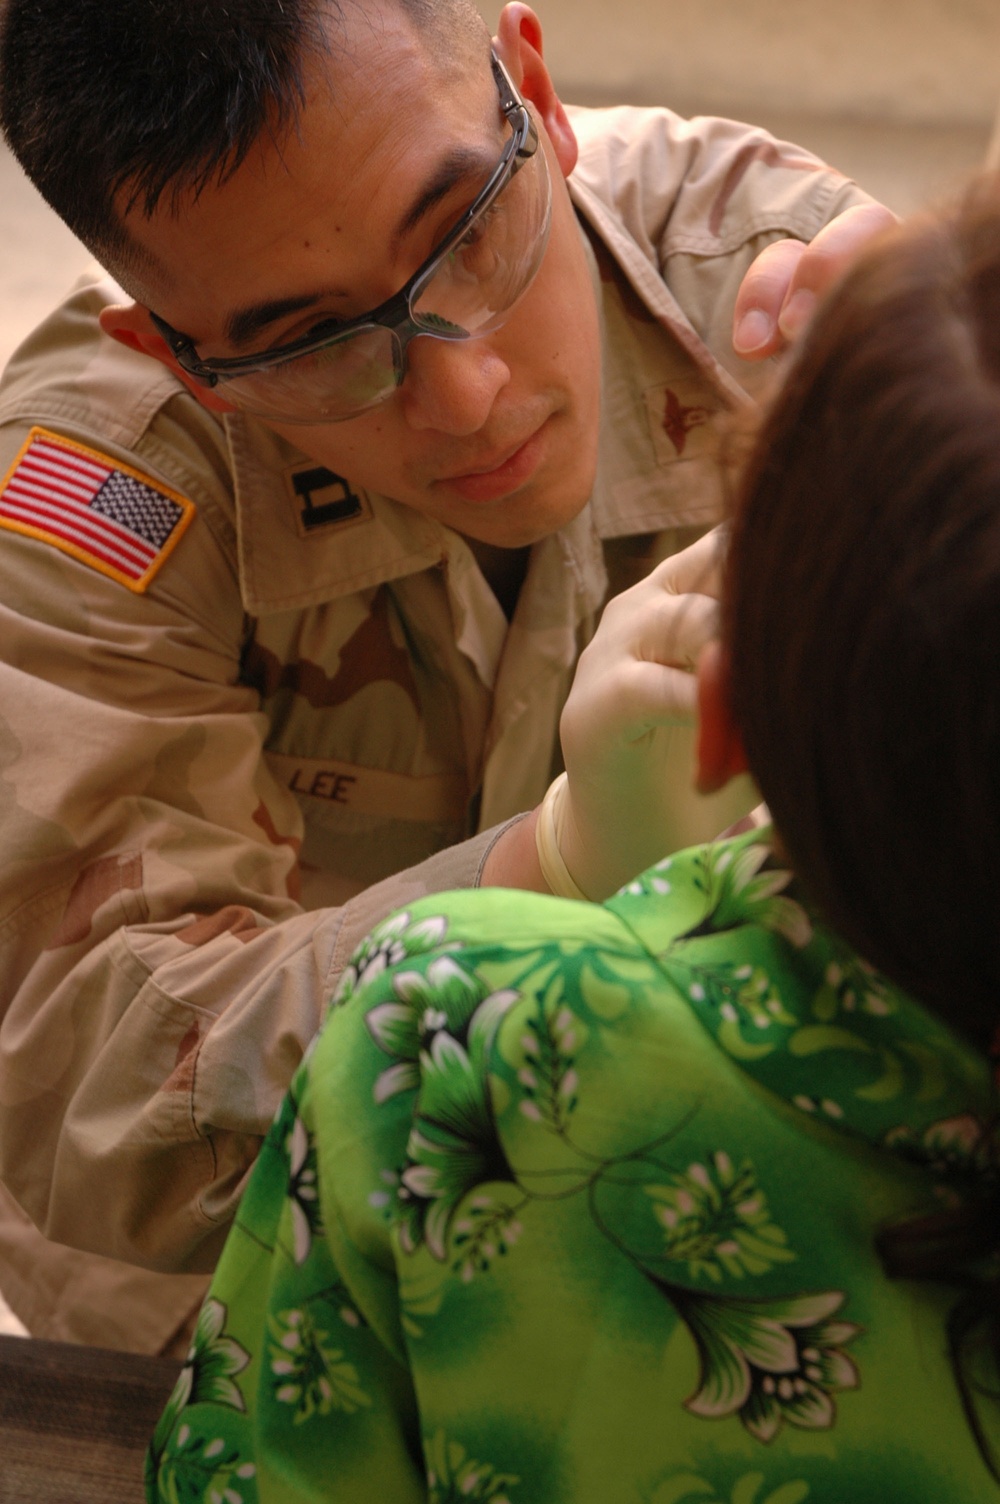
(479,282)
(335,382)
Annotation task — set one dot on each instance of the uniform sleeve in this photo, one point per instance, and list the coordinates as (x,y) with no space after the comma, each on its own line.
(160,981)
(702,198)
(742,190)
(705,186)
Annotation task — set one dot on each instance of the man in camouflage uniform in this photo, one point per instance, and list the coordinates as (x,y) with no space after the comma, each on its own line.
(266,676)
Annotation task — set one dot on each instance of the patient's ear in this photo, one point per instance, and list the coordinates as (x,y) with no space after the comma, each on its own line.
(719,751)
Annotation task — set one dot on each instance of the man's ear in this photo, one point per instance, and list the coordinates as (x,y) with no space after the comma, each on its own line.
(131,325)
(719,752)
(519,44)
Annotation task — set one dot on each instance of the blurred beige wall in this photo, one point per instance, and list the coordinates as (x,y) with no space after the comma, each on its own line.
(903,60)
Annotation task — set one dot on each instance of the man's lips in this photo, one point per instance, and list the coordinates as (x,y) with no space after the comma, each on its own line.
(502,475)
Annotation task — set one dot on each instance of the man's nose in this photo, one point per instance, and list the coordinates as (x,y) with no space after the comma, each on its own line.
(451,385)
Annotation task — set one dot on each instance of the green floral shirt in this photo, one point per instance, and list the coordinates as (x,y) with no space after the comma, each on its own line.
(575,1204)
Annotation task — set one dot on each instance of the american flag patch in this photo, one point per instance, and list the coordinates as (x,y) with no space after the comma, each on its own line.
(104,513)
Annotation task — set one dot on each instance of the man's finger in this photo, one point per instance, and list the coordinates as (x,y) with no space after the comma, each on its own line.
(670,698)
(825,258)
(696,569)
(779,292)
(761,298)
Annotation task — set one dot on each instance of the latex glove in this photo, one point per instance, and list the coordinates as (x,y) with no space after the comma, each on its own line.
(779,292)
(631,707)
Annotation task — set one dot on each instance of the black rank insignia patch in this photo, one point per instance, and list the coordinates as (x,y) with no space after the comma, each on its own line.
(323,499)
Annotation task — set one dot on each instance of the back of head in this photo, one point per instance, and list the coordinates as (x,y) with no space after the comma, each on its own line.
(141,98)
(864,610)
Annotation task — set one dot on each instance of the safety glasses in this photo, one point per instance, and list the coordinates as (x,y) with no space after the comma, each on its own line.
(465,288)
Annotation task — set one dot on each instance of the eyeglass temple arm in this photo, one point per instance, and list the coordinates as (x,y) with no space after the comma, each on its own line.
(510,100)
(182,348)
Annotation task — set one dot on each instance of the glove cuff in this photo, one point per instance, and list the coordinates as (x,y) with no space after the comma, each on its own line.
(548,829)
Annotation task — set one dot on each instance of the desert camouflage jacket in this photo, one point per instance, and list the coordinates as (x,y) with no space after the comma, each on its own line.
(238,693)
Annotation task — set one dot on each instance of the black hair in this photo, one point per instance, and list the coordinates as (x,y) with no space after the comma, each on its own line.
(147,98)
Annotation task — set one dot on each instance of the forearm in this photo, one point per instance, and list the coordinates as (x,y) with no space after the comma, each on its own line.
(136,1085)
(140,1068)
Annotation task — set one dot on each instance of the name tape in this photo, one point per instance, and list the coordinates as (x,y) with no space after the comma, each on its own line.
(372,791)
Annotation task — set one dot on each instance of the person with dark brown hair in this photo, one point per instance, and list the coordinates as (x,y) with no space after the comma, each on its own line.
(875,731)
(691,1194)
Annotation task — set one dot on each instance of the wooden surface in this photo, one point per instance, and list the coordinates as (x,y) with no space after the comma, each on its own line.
(75,1421)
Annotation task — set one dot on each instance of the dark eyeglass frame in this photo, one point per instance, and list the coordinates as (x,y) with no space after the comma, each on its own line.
(395,313)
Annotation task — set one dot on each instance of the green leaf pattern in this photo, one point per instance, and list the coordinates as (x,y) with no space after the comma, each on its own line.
(453,1477)
(303,1194)
(690,1488)
(212,1362)
(184,1464)
(771,1361)
(394,940)
(308,1373)
(203,1469)
(715,1219)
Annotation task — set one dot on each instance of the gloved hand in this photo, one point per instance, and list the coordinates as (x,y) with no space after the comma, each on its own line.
(627,731)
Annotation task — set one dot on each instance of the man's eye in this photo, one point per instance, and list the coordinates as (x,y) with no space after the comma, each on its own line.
(311,328)
(323,327)
(475,254)
(481,229)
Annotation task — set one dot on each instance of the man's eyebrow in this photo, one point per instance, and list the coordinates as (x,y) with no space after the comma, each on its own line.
(242,326)
(461,165)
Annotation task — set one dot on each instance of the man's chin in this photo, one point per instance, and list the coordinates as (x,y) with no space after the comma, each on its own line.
(527,515)
(523,524)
